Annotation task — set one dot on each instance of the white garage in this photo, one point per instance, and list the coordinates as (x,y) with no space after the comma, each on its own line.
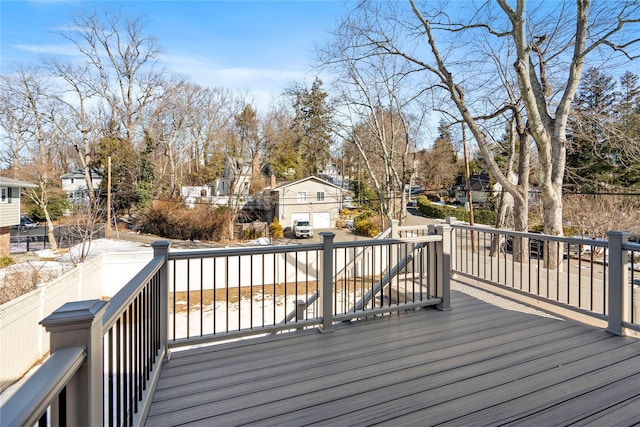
(309,199)
(321,220)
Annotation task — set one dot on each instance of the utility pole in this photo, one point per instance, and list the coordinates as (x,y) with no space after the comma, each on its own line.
(109,197)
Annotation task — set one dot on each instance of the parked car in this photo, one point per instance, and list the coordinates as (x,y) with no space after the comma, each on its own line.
(302,228)
(538,247)
(435,199)
(26,222)
(348,203)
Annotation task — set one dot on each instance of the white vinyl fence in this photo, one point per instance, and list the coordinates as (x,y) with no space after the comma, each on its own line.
(23,341)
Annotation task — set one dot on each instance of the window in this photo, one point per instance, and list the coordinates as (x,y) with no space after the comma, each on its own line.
(4,195)
(302,196)
(320,196)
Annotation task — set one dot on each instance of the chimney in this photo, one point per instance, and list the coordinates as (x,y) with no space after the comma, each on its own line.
(273,181)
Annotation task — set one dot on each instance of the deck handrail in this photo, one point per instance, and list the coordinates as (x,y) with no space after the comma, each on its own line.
(568,285)
(27,405)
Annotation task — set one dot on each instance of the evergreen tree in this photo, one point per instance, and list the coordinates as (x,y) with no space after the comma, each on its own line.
(313,124)
(124,168)
(591,157)
(439,164)
(247,132)
(628,131)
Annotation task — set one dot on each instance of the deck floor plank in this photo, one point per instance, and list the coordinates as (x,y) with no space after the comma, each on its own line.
(625,413)
(344,346)
(353,370)
(475,364)
(584,405)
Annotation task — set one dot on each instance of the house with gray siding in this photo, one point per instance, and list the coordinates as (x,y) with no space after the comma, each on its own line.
(9,209)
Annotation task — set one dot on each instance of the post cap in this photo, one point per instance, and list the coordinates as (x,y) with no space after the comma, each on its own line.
(74,312)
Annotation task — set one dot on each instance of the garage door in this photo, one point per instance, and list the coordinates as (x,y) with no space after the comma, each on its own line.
(300,216)
(321,220)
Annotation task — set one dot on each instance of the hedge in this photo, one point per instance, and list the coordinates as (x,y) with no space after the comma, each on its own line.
(480,216)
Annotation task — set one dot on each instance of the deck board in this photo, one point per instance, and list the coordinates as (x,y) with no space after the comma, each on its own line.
(476,364)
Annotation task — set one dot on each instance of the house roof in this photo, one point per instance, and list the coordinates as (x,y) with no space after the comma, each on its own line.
(79,173)
(10,182)
(314,178)
(477,182)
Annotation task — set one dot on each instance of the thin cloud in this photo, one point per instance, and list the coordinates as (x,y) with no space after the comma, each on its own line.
(54,49)
(265,84)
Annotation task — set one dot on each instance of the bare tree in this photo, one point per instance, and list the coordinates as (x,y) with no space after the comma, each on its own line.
(548,44)
(438,165)
(28,119)
(77,119)
(211,116)
(123,62)
(381,118)
(170,128)
(547,114)
(279,142)
(16,121)
(595,214)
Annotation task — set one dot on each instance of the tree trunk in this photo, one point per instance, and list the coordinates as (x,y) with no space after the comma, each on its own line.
(53,244)
(552,218)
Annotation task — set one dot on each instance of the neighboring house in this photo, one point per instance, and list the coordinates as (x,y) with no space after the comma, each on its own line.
(237,172)
(74,184)
(312,199)
(192,194)
(480,189)
(333,174)
(9,209)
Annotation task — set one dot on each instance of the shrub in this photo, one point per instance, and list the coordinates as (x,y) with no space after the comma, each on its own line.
(6,261)
(176,221)
(341,223)
(367,224)
(275,229)
(484,216)
(57,204)
(480,216)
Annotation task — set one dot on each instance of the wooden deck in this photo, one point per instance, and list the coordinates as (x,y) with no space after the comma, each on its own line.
(475,365)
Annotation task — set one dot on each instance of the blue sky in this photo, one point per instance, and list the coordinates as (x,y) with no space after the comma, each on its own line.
(247,46)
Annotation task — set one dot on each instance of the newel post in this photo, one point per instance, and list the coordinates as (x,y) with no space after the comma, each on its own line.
(326,282)
(393,249)
(443,283)
(395,233)
(80,323)
(619,290)
(432,257)
(452,220)
(161,248)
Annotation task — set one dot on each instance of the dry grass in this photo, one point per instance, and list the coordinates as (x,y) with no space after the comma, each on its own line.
(233,295)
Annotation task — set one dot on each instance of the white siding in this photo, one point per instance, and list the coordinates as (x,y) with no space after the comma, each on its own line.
(10,207)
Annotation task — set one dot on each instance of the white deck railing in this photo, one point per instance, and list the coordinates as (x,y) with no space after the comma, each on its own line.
(98,278)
